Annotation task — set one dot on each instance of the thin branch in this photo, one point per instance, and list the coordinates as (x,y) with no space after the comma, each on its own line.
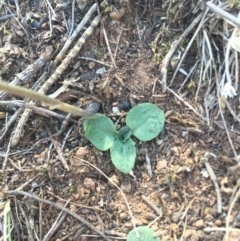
(108,47)
(223,14)
(6,17)
(54,103)
(73,8)
(173,49)
(35,197)
(157,210)
(75,33)
(184,102)
(213,177)
(234,198)
(25,76)
(56,224)
(202,16)
(95,60)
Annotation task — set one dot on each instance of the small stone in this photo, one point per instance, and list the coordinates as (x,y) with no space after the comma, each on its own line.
(184,133)
(115,109)
(199,224)
(154,227)
(151,216)
(176,217)
(72,208)
(188,233)
(207,211)
(89,183)
(116,15)
(60,203)
(123,216)
(128,225)
(200,234)
(208,217)
(192,219)
(126,186)
(82,152)
(234,235)
(218,222)
(114,179)
(125,106)
(175,228)
(139,222)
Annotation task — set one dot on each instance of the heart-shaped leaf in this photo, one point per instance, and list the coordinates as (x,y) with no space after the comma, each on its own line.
(145,233)
(100,131)
(145,121)
(123,155)
(124,134)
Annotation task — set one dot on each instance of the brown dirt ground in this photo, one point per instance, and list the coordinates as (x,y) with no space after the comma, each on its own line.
(178,201)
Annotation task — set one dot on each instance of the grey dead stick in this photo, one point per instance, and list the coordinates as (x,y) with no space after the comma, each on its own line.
(25,76)
(17,132)
(82,220)
(75,34)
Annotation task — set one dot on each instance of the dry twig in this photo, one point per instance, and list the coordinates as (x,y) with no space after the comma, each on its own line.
(148,161)
(75,34)
(223,13)
(35,197)
(36,109)
(157,210)
(59,151)
(58,72)
(171,52)
(25,76)
(234,198)
(213,177)
(56,224)
(108,47)
(201,16)
(184,102)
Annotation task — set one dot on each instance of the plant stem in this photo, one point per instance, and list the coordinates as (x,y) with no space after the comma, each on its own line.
(53,103)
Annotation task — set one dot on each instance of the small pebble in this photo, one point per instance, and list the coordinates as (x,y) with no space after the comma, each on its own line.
(114,178)
(200,234)
(115,110)
(123,216)
(208,217)
(126,186)
(218,222)
(151,216)
(176,217)
(92,107)
(89,183)
(72,208)
(192,219)
(154,227)
(174,228)
(116,15)
(82,152)
(199,224)
(128,225)
(125,106)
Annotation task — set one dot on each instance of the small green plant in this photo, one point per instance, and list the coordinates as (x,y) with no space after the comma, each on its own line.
(142,233)
(144,121)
